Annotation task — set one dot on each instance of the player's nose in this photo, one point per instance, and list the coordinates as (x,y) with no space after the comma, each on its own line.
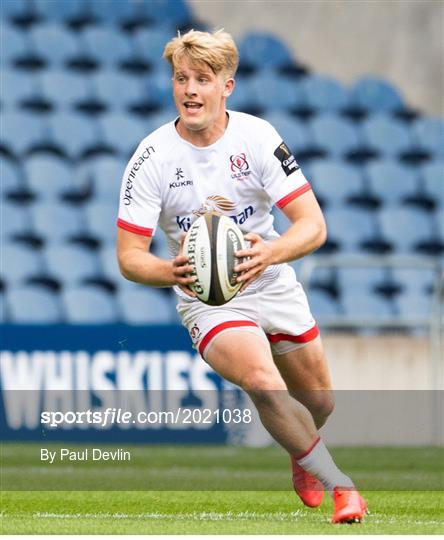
(190,88)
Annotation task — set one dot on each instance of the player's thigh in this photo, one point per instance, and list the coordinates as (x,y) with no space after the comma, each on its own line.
(306,374)
(244,358)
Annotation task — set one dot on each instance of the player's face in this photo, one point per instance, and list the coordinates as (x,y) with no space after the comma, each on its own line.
(200,97)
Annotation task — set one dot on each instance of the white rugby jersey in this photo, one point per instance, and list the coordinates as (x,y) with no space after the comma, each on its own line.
(169,182)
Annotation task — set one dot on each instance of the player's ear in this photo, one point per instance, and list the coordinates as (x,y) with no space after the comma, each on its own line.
(229,87)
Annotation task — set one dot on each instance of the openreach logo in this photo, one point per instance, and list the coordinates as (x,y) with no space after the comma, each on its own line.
(127,194)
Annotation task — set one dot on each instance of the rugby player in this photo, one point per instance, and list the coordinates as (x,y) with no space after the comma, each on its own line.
(265,340)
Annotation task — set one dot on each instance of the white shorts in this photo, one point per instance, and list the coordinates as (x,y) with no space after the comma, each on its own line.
(278,312)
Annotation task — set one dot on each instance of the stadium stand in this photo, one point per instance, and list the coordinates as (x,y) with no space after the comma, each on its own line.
(48,177)
(83,83)
(146,306)
(32,305)
(391,182)
(323,94)
(89,304)
(20,264)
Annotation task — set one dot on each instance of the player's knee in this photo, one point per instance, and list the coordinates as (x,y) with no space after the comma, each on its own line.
(321,407)
(260,381)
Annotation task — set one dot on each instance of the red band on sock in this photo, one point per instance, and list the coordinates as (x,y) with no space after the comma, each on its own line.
(304,454)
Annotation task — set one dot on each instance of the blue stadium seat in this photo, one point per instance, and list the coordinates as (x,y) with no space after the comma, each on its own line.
(32,305)
(19,264)
(57,223)
(104,174)
(240,99)
(432,175)
(67,12)
(157,87)
(17,87)
(363,279)
(390,181)
(414,280)
(359,305)
(263,50)
(292,131)
(10,11)
(21,132)
(388,136)
(48,177)
(122,132)
(145,305)
(335,182)
(14,43)
(158,119)
(334,134)
(88,304)
(429,135)
(150,43)
(54,43)
(324,306)
(101,220)
(11,178)
(352,229)
(110,267)
(159,245)
(70,264)
(110,12)
(324,94)
(414,305)
(15,220)
(323,278)
(177,13)
(117,90)
(75,134)
(271,92)
(373,94)
(408,229)
(281,222)
(106,45)
(65,89)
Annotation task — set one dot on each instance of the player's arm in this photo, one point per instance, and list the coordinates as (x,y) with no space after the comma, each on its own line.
(306,234)
(138,264)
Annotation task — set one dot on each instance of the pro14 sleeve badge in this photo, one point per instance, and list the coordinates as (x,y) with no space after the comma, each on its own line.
(288,161)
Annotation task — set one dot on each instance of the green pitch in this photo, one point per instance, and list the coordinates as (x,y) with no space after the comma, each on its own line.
(221,502)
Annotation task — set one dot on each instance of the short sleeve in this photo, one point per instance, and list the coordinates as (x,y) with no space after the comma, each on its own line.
(140,194)
(282,177)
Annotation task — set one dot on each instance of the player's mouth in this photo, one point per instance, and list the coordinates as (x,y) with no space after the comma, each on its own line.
(192,105)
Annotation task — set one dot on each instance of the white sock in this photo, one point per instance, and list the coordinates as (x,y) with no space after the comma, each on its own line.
(320,464)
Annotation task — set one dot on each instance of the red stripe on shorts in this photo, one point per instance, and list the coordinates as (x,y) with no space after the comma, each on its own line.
(223,326)
(134,228)
(293,195)
(307,336)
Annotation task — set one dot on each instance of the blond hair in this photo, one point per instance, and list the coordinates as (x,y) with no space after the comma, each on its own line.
(217,50)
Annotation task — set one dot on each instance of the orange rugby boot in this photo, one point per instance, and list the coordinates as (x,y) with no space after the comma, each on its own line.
(309,488)
(349,506)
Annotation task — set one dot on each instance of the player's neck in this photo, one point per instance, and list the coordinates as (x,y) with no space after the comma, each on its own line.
(204,137)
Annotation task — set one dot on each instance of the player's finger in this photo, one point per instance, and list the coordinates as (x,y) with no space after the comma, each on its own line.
(187,291)
(180,260)
(183,269)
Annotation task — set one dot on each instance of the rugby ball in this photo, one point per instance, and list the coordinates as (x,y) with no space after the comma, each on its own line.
(210,244)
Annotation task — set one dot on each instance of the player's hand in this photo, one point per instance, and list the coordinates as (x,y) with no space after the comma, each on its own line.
(258,258)
(181,268)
